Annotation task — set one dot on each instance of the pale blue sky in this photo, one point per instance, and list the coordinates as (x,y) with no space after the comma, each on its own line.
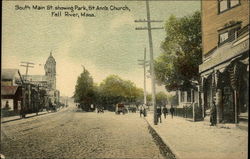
(107,44)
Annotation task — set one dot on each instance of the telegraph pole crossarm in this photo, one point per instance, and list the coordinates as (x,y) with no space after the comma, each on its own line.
(144,20)
(28,62)
(145,28)
(27,65)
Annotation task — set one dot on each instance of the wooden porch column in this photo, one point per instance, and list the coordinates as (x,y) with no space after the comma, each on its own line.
(218,105)
(218,95)
(235,106)
(193,106)
(179,97)
(202,97)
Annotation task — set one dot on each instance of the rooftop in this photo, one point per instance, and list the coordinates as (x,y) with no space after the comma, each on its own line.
(9,73)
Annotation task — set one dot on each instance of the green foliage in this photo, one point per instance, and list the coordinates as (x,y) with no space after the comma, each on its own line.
(149,99)
(179,62)
(113,90)
(161,98)
(84,89)
(172,99)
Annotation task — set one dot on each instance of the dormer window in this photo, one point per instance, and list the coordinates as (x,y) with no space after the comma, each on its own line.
(224,5)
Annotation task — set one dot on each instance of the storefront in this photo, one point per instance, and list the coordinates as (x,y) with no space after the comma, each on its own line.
(11,98)
(224,81)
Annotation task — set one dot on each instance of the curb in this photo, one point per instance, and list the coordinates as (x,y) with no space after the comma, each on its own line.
(164,148)
(19,118)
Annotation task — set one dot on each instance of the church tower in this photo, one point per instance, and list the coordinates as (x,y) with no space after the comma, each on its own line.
(50,71)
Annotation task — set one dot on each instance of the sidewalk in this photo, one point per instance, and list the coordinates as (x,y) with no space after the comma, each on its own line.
(197,140)
(17,117)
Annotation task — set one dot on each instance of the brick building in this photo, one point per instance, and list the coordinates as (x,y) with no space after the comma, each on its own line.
(225,67)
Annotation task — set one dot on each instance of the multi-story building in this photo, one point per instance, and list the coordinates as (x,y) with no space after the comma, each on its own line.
(225,67)
(47,81)
(11,89)
(29,93)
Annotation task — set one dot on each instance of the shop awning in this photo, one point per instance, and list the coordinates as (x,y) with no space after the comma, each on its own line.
(8,90)
(225,54)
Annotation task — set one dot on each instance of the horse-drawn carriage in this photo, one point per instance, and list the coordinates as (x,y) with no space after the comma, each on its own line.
(120,108)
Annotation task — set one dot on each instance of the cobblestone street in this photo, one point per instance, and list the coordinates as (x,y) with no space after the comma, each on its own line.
(72,134)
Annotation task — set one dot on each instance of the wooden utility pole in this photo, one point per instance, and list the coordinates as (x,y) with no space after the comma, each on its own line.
(144,63)
(27,65)
(152,72)
(26,87)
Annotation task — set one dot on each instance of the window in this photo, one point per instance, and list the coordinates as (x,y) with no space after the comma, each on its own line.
(223,37)
(228,36)
(224,5)
(189,96)
(228,33)
(234,3)
(182,96)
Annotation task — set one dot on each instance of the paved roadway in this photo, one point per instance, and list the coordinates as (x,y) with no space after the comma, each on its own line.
(73,134)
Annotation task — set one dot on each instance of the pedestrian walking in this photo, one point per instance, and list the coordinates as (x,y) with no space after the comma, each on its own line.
(165,111)
(144,111)
(23,111)
(159,112)
(141,110)
(172,111)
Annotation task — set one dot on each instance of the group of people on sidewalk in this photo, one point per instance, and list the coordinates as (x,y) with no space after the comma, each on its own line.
(160,111)
(164,110)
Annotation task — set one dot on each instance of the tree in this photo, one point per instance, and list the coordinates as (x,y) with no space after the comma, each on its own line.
(181,55)
(149,99)
(84,90)
(173,99)
(161,98)
(113,90)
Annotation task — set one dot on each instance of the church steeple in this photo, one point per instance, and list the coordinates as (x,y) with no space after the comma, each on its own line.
(50,71)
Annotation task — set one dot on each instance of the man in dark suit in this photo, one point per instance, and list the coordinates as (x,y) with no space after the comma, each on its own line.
(172,111)
(159,114)
(165,111)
